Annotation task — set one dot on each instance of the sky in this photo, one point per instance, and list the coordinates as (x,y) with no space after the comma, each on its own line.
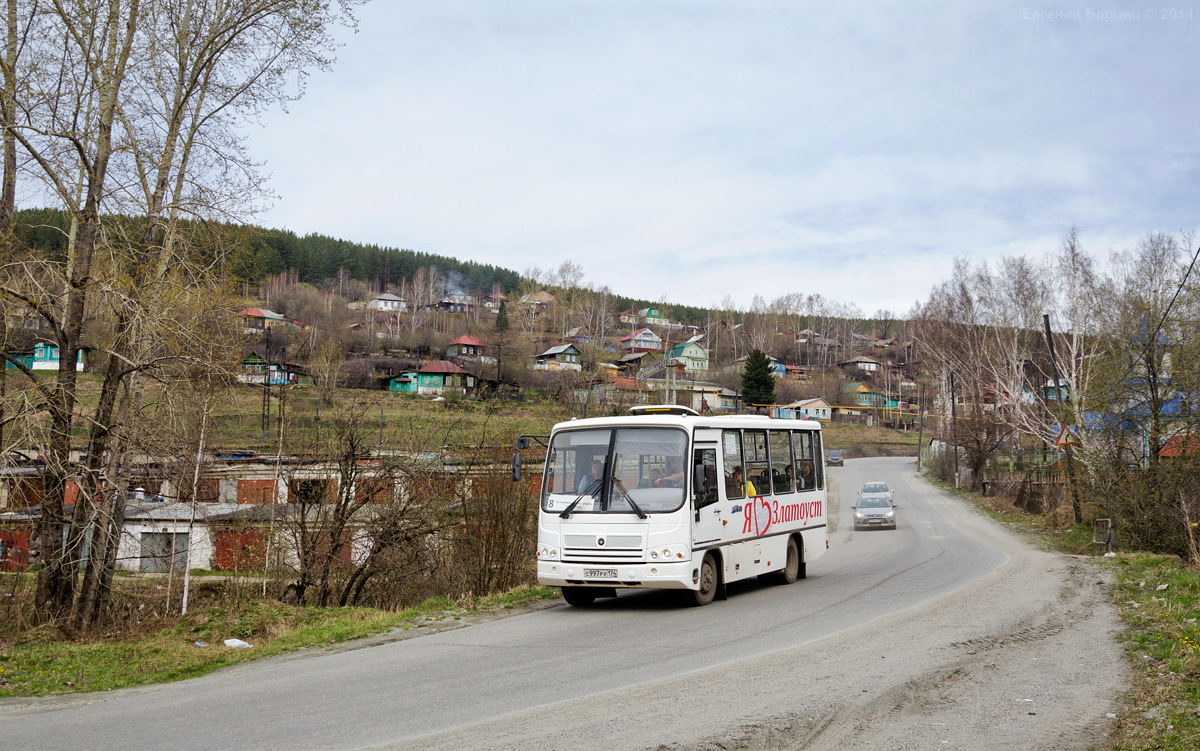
(686,151)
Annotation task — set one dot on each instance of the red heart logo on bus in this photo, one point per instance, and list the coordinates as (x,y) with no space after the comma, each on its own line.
(762,515)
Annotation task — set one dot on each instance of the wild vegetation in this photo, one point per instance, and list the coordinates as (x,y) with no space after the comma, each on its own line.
(1099,368)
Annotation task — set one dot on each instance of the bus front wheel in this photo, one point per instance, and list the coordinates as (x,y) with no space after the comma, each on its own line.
(709,581)
(579,597)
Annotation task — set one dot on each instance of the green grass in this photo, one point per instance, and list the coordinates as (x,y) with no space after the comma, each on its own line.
(1159,600)
(236,423)
(43,662)
(863,440)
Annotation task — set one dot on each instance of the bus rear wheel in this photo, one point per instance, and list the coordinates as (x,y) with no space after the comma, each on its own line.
(709,581)
(792,565)
(579,597)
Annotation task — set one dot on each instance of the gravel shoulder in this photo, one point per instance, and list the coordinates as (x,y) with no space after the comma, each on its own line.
(1024,658)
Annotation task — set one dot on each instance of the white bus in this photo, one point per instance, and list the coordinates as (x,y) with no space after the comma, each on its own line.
(667,498)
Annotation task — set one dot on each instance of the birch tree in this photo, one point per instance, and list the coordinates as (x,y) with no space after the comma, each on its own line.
(130,107)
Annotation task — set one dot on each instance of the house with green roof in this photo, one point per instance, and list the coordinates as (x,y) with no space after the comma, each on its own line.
(691,355)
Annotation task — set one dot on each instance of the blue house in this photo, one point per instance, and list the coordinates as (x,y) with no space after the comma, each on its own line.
(43,355)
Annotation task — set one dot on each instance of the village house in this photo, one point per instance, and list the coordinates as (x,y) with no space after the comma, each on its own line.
(42,354)
(562,357)
(439,377)
(861,364)
(864,395)
(642,340)
(465,346)
(804,409)
(258,320)
(493,301)
(539,301)
(388,303)
(255,368)
(614,390)
(701,396)
(693,356)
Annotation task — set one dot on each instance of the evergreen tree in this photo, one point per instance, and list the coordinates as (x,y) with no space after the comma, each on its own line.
(758,385)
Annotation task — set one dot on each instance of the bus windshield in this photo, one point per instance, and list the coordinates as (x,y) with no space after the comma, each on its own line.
(616,470)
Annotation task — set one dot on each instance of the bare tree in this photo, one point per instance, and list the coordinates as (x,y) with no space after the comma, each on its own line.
(131,108)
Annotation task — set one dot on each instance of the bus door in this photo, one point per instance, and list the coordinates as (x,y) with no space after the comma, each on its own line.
(707,513)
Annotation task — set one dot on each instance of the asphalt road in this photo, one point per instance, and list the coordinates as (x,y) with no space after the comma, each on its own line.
(771,667)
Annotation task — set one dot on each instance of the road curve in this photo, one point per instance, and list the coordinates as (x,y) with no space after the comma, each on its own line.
(946,631)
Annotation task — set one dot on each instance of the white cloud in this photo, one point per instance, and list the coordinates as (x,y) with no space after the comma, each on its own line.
(698,149)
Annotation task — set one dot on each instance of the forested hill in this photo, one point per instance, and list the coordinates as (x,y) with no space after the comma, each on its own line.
(317,258)
(259,252)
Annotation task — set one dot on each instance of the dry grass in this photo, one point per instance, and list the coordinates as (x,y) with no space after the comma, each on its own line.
(46,661)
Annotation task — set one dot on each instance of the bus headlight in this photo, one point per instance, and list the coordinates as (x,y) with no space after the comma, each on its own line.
(547,552)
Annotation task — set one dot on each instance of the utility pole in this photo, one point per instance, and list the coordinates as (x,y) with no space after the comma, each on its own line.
(920,426)
(954,428)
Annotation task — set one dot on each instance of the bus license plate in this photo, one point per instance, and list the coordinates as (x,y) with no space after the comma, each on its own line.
(600,573)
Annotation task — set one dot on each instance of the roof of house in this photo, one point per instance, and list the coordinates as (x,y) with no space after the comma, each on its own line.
(860,359)
(560,349)
(444,367)
(468,340)
(541,296)
(818,402)
(261,313)
(389,297)
(639,332)
(629,384)
(1181,445)
(677,350)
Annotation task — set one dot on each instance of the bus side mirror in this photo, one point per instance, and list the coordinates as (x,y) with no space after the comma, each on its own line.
(516,465)
(522,442)
(699,480)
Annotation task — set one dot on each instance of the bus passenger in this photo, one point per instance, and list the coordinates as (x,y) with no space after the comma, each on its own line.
(593,478)
(739,489)
(806,476)
(673,476)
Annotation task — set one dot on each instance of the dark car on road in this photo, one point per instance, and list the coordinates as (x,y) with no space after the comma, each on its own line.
(834,459)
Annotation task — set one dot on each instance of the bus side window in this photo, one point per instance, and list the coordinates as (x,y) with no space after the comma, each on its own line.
(705,485)
(808,462)
(781,462)
(819,459)
(731,444)
(805,478)
(758,469)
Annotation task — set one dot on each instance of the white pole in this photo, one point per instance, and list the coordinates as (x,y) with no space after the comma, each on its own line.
(187,565)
